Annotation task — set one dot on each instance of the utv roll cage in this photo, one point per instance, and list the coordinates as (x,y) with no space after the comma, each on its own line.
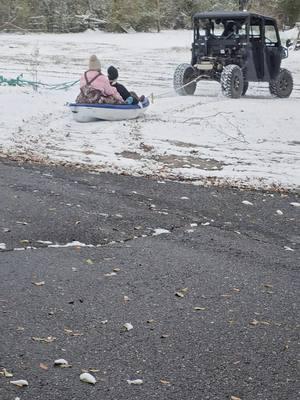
(241,18)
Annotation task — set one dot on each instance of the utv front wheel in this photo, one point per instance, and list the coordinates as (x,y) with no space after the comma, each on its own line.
(282,85)
(184,74)
(232,81)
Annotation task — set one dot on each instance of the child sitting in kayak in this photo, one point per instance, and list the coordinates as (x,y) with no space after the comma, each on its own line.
(128,97)
(95,87)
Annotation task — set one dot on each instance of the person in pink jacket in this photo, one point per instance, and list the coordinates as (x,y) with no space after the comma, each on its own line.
(95,87)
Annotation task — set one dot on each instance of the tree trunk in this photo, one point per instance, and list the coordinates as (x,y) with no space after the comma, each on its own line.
(158,15)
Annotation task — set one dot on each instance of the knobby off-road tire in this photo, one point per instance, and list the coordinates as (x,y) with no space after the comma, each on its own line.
(183,74)
(232,81)
(282,85)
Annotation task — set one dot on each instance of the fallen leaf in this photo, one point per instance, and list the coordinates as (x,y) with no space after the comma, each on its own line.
(20,383)
(116,270)
(164,382)
(111,274)
(128,326)
(70,332)
(235,398)
(164,336)
(44,366)
(126,299)
(264,322)
(279,212)
(267,285)
(25,241)
(89,261)
(42,283)
(6,373)
(236,290)
(254,322)
(88,378)
(182,292)
(199,308)
(135,382)
(20,329)
(48,339)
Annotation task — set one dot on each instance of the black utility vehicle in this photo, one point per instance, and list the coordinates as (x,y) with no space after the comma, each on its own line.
(235,48)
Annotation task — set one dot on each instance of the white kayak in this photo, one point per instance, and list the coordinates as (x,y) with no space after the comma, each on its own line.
(108,112)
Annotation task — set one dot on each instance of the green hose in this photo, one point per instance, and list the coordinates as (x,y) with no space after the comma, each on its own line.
(19,81)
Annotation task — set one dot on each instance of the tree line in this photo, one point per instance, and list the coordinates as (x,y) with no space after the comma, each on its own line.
(126,15)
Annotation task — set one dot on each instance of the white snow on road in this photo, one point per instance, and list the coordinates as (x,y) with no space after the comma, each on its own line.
(252,141)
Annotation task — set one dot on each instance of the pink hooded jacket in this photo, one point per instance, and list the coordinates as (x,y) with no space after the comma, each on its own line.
(101,83)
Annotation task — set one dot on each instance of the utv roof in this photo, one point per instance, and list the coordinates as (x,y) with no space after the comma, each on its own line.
(229,14)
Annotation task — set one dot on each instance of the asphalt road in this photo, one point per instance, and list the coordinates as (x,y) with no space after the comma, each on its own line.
(231,332)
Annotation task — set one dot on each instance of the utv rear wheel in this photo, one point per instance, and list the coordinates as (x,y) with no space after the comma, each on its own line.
(232,81)
(184,74)
(282,85)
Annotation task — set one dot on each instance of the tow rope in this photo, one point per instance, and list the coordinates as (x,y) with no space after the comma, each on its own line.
(20,81)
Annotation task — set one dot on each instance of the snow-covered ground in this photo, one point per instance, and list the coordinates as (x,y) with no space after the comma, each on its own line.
(205,138)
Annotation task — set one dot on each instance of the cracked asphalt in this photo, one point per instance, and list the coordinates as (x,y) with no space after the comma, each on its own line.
(214,300)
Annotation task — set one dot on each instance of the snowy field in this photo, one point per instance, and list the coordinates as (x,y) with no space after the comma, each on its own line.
(205,138)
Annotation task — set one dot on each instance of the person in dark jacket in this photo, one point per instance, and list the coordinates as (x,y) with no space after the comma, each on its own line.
(128,97)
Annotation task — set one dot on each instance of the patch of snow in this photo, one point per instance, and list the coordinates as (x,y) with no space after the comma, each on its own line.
(71,244)
(160,231)
(288,248)
(252,141)
(295,204)
(247,203)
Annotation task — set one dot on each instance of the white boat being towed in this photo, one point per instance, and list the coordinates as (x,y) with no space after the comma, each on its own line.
(108,112)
